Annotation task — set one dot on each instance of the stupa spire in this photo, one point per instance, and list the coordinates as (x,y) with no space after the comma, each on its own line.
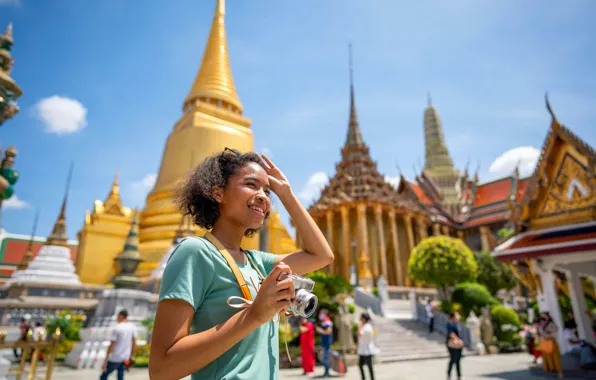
(437,158)
(214,83)
(129,258)
(113,202)
(354,137)
(58,235)
(28,256)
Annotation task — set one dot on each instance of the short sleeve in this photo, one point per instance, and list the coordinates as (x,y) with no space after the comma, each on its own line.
(268,260)
(188,274)
(114,335)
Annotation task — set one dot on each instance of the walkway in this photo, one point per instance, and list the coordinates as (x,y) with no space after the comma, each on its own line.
(502,367)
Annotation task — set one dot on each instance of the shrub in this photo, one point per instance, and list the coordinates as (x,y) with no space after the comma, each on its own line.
(446,306)
(494,274)
(444,262)
(506,325)
(351,308)
(472,297)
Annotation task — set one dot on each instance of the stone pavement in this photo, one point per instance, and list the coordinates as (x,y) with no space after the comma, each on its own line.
(501,367)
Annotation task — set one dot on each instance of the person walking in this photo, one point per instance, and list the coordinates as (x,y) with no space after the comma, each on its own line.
(430,314)
(326,332)
(122,347)
(307,345)
(39,335)
(24,327)
(366,345)
(455,345)
(551,355)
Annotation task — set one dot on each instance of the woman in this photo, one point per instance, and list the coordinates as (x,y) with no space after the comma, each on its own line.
(551,356)
(454,344)
(208,323)
(307,345)
(366,345)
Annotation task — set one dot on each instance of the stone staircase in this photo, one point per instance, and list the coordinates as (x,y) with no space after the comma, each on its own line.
(407,339)
(398,309)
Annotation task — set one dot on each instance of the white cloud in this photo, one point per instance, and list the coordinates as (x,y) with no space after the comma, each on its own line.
(525,157)
(61,115)
(14,202)
(312,189)
(393,181)
(141,188)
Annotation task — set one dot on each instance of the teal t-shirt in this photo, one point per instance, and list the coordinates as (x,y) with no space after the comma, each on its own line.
(198,274)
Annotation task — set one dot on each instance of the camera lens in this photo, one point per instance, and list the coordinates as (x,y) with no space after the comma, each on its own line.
(306,303)
(311,305)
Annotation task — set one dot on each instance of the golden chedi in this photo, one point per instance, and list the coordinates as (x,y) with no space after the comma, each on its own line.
(212,120)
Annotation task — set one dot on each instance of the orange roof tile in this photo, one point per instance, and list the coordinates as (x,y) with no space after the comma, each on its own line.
(492,192)
(420,194)
(521,189)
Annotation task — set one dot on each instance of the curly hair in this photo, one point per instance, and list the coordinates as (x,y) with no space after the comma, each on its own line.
(195,193)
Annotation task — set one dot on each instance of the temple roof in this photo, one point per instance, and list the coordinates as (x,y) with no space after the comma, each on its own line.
(356,178)
(214,80)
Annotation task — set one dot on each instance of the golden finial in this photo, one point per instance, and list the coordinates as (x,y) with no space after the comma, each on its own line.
(28,256)
(554,123)
(214,81)
(58,235)
(429,100)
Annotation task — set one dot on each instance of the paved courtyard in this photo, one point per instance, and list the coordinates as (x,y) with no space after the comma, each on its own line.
(501,367)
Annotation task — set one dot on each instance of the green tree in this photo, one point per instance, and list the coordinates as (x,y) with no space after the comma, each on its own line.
(472,297)
(444,262)
(68,323)
(505,232)
(328,286)
(494,274)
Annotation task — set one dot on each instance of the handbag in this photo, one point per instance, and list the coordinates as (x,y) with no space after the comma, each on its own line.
(546,346)
(455,344)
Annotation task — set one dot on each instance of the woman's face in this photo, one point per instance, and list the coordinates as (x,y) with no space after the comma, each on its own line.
(245,200)
(456,317)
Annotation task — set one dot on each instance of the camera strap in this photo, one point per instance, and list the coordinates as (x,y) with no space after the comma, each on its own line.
(234,266)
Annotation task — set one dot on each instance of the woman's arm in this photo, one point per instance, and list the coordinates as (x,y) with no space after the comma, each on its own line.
(176,354)
(317,253)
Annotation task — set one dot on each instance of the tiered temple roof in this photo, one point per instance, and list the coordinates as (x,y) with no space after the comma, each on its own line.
(356,178)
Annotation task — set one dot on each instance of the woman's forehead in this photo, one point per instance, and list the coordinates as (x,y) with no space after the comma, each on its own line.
(252,169)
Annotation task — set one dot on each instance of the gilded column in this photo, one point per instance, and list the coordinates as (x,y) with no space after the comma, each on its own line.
(411,245)
(364,274)
(445,230)
(345,242)
(329,217)
(436,229)
(422,233)
(380,231)
(395,240)
(484,242)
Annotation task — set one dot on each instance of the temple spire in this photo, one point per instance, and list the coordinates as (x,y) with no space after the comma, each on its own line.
(354,137)
(128,260)
(113,202)
(437,158)
(28,256)
(214,83)
(58,235)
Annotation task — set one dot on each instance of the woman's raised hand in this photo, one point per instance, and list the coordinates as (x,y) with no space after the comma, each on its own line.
(277,179)
(274,297)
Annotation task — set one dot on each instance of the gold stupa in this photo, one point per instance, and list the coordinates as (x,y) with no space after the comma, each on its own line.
(212,120)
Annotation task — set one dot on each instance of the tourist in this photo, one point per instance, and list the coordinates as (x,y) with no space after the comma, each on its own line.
(24,328)
(307,345)
(530,334)
(39,335)
(366,345)
(430,314)
(203,326)
(455,344)
(325,330)
(571,343)
(122,347)
(551,356)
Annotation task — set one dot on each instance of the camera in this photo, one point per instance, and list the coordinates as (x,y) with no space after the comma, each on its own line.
(305,302)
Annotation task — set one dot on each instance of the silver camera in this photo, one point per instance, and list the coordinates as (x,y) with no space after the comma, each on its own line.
(305,302)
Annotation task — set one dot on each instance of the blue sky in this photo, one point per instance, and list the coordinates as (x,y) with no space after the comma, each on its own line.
(126,67)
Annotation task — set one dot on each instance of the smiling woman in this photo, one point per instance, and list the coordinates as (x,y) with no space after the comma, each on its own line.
(198,329)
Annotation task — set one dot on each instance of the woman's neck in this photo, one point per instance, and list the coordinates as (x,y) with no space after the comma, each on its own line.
(228,234)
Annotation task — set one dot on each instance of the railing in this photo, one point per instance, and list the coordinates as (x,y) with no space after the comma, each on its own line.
(32,348)
(367,301)
(440,324)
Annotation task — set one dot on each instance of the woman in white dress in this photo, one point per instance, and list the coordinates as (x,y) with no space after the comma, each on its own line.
(366,345)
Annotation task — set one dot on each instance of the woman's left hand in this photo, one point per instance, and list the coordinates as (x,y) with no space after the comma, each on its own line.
(277,180)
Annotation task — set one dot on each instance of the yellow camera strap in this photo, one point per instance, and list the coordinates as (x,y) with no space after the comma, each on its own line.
(233,266)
